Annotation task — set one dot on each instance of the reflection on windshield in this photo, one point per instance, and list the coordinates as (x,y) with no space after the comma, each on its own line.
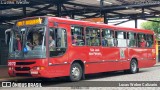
(28,43)
(35,43)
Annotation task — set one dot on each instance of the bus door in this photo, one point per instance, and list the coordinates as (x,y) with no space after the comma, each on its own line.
(142,50)
(109,49)
(93,42)
(132,44)
(121,41)
(57,45)
(150,46)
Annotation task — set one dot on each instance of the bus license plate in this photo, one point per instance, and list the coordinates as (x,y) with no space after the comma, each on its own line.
(34,72)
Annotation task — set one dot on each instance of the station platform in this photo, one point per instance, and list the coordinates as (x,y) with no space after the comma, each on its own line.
(5,77)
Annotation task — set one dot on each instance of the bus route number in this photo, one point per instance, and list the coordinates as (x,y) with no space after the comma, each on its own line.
(11,63)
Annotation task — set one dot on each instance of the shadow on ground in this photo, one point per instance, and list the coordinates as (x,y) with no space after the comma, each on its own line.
(64,82)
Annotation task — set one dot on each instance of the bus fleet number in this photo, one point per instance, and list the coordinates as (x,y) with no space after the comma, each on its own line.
(11,63)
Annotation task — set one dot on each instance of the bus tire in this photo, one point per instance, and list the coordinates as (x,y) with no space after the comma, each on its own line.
(133,66)
(75,72)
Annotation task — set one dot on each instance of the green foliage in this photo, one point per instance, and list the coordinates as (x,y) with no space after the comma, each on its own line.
(155,26)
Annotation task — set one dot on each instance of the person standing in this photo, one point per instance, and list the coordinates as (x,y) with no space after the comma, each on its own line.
(17,43)
(51,43)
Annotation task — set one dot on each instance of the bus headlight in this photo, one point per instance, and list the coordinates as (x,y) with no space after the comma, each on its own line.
(38,68)
(10,68)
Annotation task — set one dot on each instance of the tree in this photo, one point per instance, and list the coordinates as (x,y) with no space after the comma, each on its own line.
(155,26)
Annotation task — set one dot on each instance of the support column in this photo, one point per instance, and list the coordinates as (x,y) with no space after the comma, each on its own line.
(105,18)
(59,11)
(142,13)
(72,16)
(24,11)
(101,6)
(136,22)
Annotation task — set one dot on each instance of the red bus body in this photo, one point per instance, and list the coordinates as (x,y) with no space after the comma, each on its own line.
(108,60)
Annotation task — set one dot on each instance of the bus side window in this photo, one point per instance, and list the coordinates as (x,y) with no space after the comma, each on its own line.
(93,36)
(77,33)
(121,39)
(57,41)
(149,40)
(131,39)
(107,37)
(142,40)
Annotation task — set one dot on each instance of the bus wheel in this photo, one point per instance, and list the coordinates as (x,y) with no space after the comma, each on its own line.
(75,72)
(133,66)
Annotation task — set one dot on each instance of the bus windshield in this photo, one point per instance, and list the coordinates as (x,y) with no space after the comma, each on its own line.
(28,42)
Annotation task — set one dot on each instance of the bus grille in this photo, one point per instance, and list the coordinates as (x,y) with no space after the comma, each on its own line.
(22,68)
(23,74)
(25,63)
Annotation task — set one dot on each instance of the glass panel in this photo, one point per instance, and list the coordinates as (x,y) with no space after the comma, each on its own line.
(77,35)
(16,43)
(27,43)
(132,39)
(121,39)
(107,37)
(93,36)
(150,41)
(57,41)
(142,40)
(35,43)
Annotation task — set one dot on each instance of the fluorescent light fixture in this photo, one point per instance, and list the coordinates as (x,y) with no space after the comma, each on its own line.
(157,15)
(138,10)
(11,22)
(16,9)
(50,15)
(144,12)
(105,2)
(4,23)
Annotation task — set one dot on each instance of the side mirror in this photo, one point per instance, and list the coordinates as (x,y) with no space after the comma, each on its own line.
(7,35)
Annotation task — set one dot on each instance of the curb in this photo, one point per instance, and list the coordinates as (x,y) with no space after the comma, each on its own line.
(156,65)
(14,78)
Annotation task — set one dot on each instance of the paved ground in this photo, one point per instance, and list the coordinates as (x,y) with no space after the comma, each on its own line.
(3,72)
(147,74)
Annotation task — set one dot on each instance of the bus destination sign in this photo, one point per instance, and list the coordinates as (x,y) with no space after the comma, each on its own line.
(29,22)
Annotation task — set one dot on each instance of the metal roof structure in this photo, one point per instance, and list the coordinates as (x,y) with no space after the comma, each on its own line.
(11,10)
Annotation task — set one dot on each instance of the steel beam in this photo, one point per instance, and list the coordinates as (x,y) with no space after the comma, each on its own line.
(39,10)
(92,16)
(64,8)
(153,10)
(122,22)
(152,20)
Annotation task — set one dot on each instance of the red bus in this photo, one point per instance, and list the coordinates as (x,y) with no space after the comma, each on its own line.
(51,47)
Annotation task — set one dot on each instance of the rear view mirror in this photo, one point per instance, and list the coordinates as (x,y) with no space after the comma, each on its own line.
(7,36)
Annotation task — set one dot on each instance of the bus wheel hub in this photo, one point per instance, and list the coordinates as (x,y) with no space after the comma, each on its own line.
(75,72)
